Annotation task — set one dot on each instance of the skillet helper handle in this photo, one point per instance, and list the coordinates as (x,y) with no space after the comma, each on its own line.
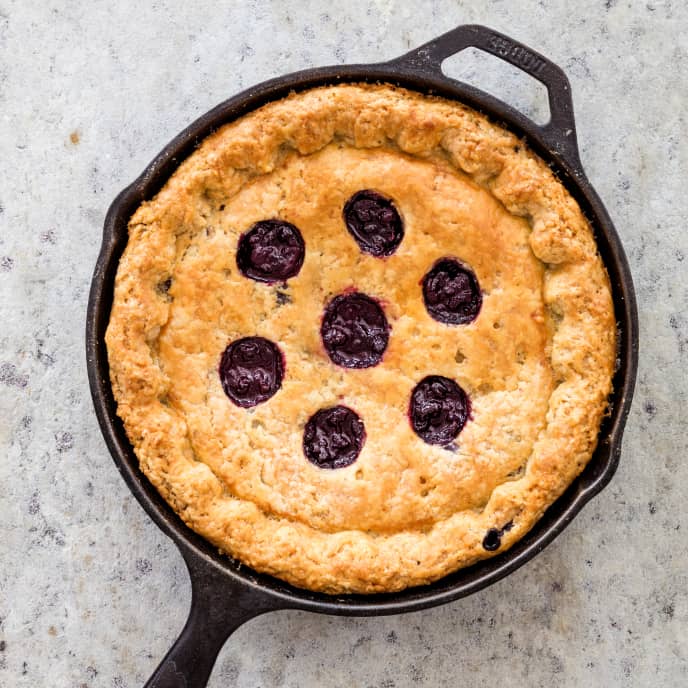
(218,608)
(560,131)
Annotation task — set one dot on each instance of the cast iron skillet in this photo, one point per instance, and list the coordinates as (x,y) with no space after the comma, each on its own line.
(225,594)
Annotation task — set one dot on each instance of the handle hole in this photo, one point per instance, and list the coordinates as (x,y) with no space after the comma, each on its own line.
(500,79)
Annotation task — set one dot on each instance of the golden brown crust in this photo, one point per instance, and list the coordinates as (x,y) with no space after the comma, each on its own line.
(537,363)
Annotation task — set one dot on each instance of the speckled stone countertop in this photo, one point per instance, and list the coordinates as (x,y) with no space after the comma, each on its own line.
(91,593)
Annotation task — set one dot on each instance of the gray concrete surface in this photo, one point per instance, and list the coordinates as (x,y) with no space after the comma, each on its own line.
(91,593)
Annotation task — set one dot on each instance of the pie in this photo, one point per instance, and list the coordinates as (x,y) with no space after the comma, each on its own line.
(361,338)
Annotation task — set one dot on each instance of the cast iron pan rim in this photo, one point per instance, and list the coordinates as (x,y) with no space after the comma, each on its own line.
(410,72)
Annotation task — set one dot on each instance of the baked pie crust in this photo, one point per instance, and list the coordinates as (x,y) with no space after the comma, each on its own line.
(536,363)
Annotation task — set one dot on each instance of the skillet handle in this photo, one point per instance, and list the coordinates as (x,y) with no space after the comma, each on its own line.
(560,132)
(218,608)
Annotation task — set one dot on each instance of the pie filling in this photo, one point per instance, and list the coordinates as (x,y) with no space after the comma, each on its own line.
(333,437)
(271,251)
(451,292)
(355,331)
(251,371)
(438,410)
(374,222)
